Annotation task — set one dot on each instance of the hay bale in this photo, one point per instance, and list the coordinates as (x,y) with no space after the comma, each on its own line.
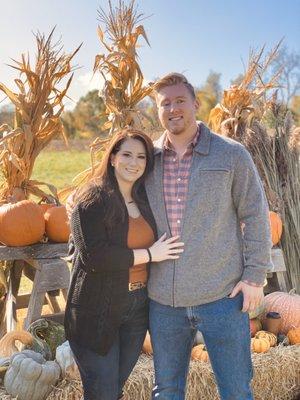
(276,377)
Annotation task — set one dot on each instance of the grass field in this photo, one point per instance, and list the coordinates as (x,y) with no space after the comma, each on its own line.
(60,167)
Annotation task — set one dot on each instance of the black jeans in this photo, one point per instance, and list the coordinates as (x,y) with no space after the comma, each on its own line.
(103,377)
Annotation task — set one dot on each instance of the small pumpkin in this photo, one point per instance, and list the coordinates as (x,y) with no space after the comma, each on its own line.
(147,346)
(199,352)
(7,343)
(30,377)
(65,359)
(21,223)
(267,335)
(260,345)
(57,224)
(276,227)
(288,306)
(294,336)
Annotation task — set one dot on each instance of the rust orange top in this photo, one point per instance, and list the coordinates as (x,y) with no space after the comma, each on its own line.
(140,236)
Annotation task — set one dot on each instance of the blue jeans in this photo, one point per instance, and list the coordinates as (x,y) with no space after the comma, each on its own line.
(226,333)
(103,377)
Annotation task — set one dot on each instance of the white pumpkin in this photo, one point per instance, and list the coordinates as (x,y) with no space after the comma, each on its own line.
(30,376)
(65,359)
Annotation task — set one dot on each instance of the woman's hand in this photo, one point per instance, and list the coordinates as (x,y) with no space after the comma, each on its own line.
(166,249)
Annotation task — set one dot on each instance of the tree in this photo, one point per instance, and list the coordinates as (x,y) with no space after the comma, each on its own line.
(87,118)
(209,94)
(289,64)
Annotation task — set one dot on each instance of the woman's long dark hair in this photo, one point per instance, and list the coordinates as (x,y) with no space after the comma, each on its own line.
(105,182)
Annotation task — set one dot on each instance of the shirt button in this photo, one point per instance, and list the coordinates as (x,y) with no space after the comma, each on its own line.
(178,179)
(174,159)
(179,200)
(178,221)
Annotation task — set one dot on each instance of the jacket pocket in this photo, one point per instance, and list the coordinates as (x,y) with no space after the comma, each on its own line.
(87,290)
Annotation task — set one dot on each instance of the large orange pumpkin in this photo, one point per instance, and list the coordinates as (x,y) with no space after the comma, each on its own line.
(21,223)
(288,306)
(57,224)
(45,206)
(276,227)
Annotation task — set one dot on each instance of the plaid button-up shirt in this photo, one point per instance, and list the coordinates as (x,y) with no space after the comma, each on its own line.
(176,180)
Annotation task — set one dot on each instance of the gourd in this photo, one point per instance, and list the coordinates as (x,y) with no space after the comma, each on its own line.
(30,376)
(147,346)
(260,345)
(65,359)
(7,343)
(199,352)
(57,224)
(288,306)
(48,335)
(21,223)
(294,336)
(276,227)
(267,335)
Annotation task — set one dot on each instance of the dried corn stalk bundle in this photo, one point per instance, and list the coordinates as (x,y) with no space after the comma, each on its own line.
(123,79)
(38,105)
(266,129)
(243,103)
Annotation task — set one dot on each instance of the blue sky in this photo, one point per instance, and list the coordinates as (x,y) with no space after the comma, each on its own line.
(188,36)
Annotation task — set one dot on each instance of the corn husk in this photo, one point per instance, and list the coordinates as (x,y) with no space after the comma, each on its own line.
(38,103)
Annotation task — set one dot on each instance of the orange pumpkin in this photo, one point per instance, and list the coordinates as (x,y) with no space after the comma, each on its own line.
(267,335)
(21,223)
(147,346)
(57,224)
(260,345)
(294,336)
(45,206)
(199,352)
(288,306)
(276,227)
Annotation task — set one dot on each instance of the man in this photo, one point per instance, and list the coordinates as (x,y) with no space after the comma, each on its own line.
(202,188)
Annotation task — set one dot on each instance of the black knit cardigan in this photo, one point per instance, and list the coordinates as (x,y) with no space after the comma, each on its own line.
(98,291)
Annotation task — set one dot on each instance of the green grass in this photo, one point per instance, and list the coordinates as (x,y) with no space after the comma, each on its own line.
(60,167)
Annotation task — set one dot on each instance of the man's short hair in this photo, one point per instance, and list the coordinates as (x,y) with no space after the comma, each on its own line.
(172,79)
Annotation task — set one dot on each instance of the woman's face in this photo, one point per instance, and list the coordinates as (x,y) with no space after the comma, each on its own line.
(130,161)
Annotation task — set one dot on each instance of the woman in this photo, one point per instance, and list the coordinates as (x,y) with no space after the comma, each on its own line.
(113,233)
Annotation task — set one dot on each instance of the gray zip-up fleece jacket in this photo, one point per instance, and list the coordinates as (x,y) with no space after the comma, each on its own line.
(224,190)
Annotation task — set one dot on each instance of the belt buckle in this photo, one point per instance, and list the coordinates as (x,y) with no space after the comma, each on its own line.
(135,286)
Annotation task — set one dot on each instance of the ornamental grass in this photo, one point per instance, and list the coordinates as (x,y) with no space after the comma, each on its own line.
(265,127)
(38,103)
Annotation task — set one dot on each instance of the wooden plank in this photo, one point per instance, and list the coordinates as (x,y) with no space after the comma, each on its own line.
(278,260)
(15,274)
(23,301)
(36,251)
(54,274)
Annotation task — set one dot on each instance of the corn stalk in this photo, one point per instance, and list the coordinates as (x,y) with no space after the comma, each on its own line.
(38,104)
(123,79)
(266,129)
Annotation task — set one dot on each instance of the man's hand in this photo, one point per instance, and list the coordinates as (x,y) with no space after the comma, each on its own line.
(253,295)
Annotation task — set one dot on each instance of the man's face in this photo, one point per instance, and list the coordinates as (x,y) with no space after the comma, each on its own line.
(176,108)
